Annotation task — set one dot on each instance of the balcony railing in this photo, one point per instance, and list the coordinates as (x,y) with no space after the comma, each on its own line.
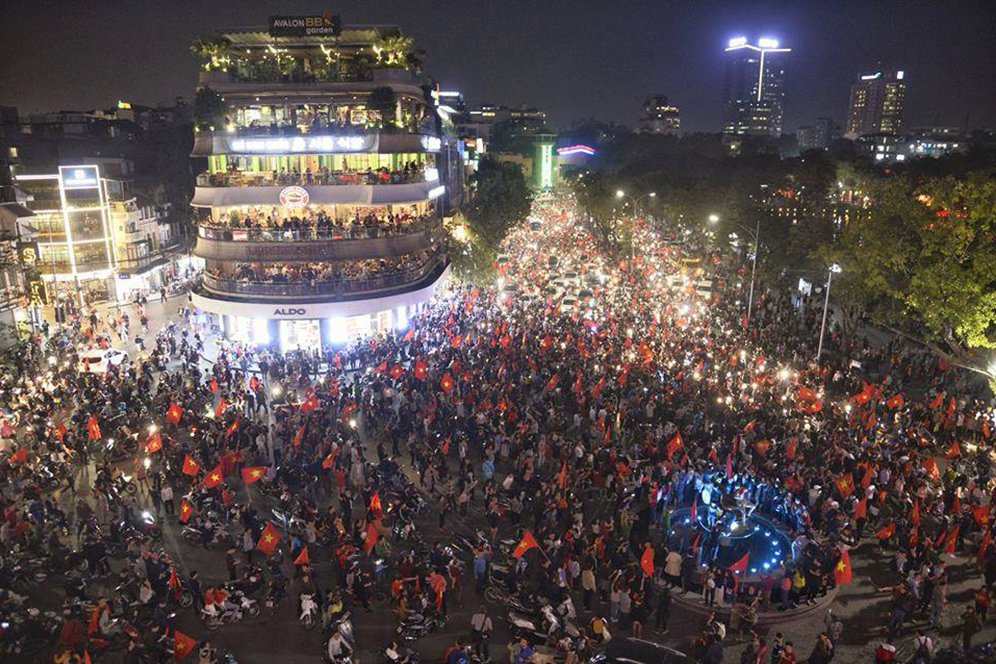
(234,234)
(333,288)
(270,179)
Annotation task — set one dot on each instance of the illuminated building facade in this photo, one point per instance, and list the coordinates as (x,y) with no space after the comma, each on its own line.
(660,116)
(876,105)
(328,172)
(754,91)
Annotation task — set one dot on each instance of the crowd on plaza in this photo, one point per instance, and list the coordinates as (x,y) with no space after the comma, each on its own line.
(549,444)
(320,225)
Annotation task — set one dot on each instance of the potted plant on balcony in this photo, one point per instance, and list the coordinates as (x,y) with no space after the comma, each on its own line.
(384,102)
(209,109)
(213,50)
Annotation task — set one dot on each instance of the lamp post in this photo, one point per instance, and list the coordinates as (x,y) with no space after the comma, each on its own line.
(636,206)
(756,236)
(834,268)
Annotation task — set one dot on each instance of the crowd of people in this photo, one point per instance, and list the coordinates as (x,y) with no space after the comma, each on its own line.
(272,227)
(325,273)
(409,173)
(531,453)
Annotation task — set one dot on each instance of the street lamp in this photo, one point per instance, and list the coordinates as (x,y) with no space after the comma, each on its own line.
(636,207)
(756,236)
(833,269)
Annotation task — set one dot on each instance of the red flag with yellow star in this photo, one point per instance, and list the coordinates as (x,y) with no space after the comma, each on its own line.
(174,414)
(154,444)
(269,540)
(93,428)
(214,478)
(845,484)
(190,467)
(186,511)
(183,645)
(528,542)
(253,474)
(843,573)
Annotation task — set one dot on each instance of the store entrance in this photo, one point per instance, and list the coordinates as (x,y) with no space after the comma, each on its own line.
(300,335)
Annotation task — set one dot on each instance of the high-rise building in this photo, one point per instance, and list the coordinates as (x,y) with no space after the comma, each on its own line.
(877,104)
(818,136)
(754,94)
(328,172)
(659,116)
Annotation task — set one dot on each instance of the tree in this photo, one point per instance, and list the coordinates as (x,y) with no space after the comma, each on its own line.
(384,101)
(923,259)
(209,108)
(501,200)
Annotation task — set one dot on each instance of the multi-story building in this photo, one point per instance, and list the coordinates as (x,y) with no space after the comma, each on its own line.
(754,91)
(328,172)
(936,141)
(818,136)
(876,105)
(660,116)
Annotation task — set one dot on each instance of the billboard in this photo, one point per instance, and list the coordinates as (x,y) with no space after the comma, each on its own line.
(326,25)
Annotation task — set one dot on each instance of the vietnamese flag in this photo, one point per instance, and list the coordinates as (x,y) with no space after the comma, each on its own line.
(896,402)
(954,452)
(739,568)
(562,475)
(376,508)
(381,368)
(528,542)
(253,474)
(174,414)
(551,384)
(675,444)
(729,466)
(861,509)
(952,407)
(19,456)
(647,560)
(712,456)
(597,392)
(214,478)
(952,540)
(694,512)
(421,370)
(931,467)
(986,541)
(214,386)
(868,478)
(446,383)
(233,427)
(845,484)
(347,411)
(269,540)
(186,511)
(762,447)
(864,396)
(409,336)
(547,343)
(155,443)
(792,448)
(93,428)
(445,448)
(309,404)
(981,515)
(938,401)
(183,645)
(299,436)
(985,429)
(219,412)
(190,467)
(886,532)
(303,558)
(329,460)
(397,371)
(842,573)
(373,536)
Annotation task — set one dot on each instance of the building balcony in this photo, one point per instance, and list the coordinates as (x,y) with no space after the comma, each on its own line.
(221,243)
(377,195)
(272,179)
(347,141)
(264,83)
(339,290)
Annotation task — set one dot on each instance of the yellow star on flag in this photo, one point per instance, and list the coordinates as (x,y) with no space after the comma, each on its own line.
(268,537)
(215,477)
(841,566)
(256,473)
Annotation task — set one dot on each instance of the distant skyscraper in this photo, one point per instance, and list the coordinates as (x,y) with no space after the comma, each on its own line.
(660,116)
(754,93)
(818,136)
(877,104)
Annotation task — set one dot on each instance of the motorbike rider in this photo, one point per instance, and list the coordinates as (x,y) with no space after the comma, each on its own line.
(338,647)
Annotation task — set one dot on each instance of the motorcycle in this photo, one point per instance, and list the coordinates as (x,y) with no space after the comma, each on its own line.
(418,625)
(214,617)
(194,534)
(309,611)
(547,624)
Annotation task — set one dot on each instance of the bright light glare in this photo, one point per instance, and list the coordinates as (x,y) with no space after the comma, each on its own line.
(767,42)
(620,193)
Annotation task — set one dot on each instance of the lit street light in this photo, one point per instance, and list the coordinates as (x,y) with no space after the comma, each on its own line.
(756,236)
(636,208)
(833,269)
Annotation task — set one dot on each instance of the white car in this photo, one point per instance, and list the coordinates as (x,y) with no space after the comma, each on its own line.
(98,360)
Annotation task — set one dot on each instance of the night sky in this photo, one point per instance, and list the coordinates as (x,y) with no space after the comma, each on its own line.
(574,59)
